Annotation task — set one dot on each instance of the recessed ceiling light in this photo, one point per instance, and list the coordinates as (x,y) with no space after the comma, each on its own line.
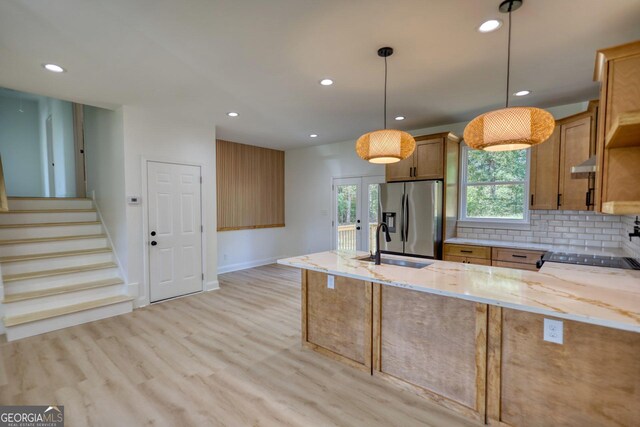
(490,25)
(326,82)
(522,93)
(54,68)
(313,135)
(232,114)
(400,118)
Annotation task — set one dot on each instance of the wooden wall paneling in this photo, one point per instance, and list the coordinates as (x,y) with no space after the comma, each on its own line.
(250,186)
(377,331)
(339,320)
(303,309)
(593,378)
(435,346)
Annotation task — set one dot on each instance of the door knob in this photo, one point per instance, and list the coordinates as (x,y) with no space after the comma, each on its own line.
(153,243)
(358,228)
(153,233)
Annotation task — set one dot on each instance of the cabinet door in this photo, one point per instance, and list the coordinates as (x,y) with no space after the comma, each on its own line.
(400,171)
(545,165)
(575,140)
(429,159)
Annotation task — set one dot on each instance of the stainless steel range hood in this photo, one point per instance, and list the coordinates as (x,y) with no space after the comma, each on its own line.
(584,169)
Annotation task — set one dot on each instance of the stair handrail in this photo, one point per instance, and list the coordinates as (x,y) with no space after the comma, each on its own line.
(4,202)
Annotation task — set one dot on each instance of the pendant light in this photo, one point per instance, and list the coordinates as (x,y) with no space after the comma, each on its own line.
(385,145)
(510,128)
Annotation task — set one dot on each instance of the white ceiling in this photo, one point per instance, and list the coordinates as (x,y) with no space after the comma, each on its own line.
(202,58)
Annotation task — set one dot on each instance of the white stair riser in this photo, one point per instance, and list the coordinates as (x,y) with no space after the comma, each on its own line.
(56,231)
(49,247)
(61,300)
(28,218)
(33,204)
(60,322)
(18,267)
(39,283)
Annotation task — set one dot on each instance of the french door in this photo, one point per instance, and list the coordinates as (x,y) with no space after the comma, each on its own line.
(355,213)
(175,230)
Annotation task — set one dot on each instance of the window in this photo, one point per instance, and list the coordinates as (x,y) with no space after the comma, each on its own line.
(494,186)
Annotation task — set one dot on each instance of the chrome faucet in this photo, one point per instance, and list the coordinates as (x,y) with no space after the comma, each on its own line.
(387,238)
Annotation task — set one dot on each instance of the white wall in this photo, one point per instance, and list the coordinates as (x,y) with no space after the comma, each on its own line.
(151,134)
(104,157)
(20,147)
(309,172)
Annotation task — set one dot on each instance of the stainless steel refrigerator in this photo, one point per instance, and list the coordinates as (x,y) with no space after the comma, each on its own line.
(413,212)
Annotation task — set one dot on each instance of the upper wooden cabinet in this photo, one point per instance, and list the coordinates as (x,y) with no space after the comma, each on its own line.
(618,141)
(428,161)
(575,148)
(551,185)
(543,182)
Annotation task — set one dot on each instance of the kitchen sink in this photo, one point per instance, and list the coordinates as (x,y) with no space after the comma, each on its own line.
(395,261)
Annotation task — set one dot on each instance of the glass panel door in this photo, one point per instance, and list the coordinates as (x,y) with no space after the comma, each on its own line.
(355,203)
(347,223)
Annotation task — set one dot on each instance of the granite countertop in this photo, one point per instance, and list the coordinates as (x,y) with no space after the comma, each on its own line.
(586,250)
(596,295)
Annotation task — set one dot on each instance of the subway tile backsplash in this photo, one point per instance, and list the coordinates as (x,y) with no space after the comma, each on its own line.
(581,228)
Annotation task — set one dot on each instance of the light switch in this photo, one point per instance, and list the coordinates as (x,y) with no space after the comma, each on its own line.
(553,331)
(331,281)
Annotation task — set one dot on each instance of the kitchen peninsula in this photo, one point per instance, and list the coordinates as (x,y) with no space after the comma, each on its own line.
(502,346)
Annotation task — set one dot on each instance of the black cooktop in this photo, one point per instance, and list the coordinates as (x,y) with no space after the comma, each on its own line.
(592,260)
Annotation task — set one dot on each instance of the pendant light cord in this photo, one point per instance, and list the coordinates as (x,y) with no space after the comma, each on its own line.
(385,92)
(508,60)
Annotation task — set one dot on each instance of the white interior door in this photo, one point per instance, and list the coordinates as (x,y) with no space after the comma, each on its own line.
(175,230)
(355,212)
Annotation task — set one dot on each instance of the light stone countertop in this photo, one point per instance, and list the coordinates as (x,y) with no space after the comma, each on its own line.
(584,250)
(596,295)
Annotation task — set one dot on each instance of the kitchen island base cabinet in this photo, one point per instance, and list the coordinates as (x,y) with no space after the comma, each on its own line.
(336,317)
(592,379)
(432,344)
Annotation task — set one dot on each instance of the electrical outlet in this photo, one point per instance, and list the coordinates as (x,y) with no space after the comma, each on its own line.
(331,281)
(553,331)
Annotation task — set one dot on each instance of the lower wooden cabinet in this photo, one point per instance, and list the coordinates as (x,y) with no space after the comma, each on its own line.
(336,318)
(497,257)
(591,379)
(434,345)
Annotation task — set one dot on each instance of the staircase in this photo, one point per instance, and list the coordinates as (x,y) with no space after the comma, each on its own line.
(58,269)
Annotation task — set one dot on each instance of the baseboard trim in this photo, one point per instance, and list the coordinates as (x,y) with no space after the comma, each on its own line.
(249,264)
(213,285)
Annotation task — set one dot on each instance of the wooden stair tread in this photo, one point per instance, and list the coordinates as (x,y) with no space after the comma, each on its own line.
(54,255)
(21,296)
(25,211)
(57,272)
(60,311)
(51,239)
(49,224)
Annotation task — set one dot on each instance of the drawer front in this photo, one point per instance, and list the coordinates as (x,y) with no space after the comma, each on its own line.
(468,251)
(516,255)
(515,265)
(467,260)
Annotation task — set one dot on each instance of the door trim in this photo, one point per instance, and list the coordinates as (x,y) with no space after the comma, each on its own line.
(144,298)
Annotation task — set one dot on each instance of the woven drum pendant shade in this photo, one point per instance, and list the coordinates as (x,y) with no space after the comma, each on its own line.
(385,146)
(507,129)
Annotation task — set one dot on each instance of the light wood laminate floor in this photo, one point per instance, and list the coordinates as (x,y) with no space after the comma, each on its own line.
(230,357)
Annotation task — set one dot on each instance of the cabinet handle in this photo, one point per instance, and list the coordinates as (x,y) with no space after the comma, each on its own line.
(411,172)
(531,204)
(519,256)
(465,251)
(588,198)
(559,199)
(415,171)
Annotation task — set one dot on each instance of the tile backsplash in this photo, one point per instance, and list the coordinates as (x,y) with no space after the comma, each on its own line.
(580,228)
